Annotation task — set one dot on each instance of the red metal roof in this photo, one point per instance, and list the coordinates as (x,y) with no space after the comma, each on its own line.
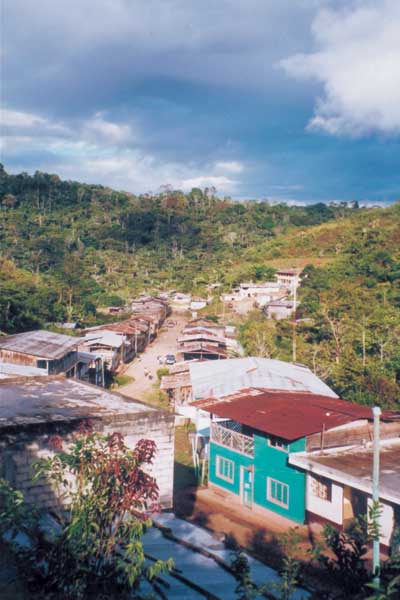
(289,415)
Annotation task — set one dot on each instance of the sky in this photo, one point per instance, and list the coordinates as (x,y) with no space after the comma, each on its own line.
(292,100)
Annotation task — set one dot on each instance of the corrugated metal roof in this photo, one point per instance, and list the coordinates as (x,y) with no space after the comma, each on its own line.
(202,347)
(218,378)
(289,415)
(108,338)
(353,466)
(40,343)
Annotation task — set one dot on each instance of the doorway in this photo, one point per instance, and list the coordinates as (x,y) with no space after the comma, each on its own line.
(246,492)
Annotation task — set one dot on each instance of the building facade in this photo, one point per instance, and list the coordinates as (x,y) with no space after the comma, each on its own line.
(295,454)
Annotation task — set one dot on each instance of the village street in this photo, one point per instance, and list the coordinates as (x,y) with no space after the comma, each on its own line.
(147,362)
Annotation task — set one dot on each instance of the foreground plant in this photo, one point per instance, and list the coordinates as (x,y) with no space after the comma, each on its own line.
(98,551)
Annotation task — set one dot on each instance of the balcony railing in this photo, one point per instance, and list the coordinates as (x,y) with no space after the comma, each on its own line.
(232,439)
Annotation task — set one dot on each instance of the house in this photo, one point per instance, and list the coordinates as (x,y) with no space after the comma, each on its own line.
(198,350)
(289,278)
(178,386)
(221,378)
(201,379)
(260,292)
(280,309)
(257,434)
(136,332)
(52,353)
(109,345)
(205,330)
(31,411)
(156,307)
(339,483)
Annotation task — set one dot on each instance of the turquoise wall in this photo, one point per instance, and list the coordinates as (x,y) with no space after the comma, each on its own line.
(268,462)
(239,460)
(271,462)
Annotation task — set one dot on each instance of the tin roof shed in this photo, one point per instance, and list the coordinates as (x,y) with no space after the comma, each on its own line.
(45,344)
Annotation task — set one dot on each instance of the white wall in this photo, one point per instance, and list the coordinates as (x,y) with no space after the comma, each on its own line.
(333,510)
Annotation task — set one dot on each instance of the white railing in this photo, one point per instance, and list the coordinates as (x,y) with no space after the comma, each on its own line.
(232,439)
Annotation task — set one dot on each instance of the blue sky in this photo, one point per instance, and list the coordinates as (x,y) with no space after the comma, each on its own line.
(291,100)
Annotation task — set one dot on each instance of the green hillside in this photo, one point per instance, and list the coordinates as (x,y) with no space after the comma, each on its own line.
(68,248)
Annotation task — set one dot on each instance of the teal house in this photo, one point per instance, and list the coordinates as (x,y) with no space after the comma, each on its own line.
(253,435)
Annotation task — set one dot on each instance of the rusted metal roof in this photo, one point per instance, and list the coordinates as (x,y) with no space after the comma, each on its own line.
(44,344)
(200,347)
(290,415)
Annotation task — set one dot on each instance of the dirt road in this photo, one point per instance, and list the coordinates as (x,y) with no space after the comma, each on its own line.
(165,343)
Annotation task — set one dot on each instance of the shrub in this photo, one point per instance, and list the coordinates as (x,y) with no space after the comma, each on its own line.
(98,550)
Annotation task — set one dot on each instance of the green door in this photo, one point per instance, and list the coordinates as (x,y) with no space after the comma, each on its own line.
(247,487)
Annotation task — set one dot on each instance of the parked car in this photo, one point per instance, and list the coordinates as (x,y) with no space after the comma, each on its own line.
(171,323)
(170,359)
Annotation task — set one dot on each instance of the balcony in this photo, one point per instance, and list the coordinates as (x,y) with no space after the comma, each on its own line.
(232,440)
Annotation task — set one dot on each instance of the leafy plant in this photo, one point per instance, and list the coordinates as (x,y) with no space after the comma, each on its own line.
(290,569)
(107,493)
(245,589)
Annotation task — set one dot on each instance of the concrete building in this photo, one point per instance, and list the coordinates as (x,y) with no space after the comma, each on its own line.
(339,484)
(280,309)
(34,410)
(289,278)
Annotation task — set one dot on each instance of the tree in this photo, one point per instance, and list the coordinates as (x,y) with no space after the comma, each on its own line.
(98,549)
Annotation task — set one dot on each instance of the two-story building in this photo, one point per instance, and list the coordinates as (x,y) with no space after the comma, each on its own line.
(289,278)
(255,439)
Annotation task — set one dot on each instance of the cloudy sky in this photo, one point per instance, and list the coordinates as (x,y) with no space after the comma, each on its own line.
(293,100)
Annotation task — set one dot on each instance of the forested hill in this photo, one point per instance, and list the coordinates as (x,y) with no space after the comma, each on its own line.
(70,246)
(67,248)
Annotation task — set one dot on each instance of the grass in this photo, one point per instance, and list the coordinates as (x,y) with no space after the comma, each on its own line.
(157,397)
(123,379)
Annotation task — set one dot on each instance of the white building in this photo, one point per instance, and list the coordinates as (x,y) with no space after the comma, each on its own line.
(339,484)
(289,278)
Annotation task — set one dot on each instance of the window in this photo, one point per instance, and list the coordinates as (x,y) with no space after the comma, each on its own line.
(278,443)
(41,364)
(321,487)
(225,469)
(278,492)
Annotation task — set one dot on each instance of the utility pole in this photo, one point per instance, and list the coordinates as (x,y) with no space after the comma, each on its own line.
(294,354)
(375,492)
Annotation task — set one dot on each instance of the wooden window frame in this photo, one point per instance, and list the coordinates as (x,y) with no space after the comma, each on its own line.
(270,497)
(218,469)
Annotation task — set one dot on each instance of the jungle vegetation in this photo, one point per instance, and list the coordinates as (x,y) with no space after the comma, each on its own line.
(67,248)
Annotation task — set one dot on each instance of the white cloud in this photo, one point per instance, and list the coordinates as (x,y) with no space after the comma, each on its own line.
(109,132)
(15,118)
(231,167)
(220,182)
(358,62)
(99,150)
